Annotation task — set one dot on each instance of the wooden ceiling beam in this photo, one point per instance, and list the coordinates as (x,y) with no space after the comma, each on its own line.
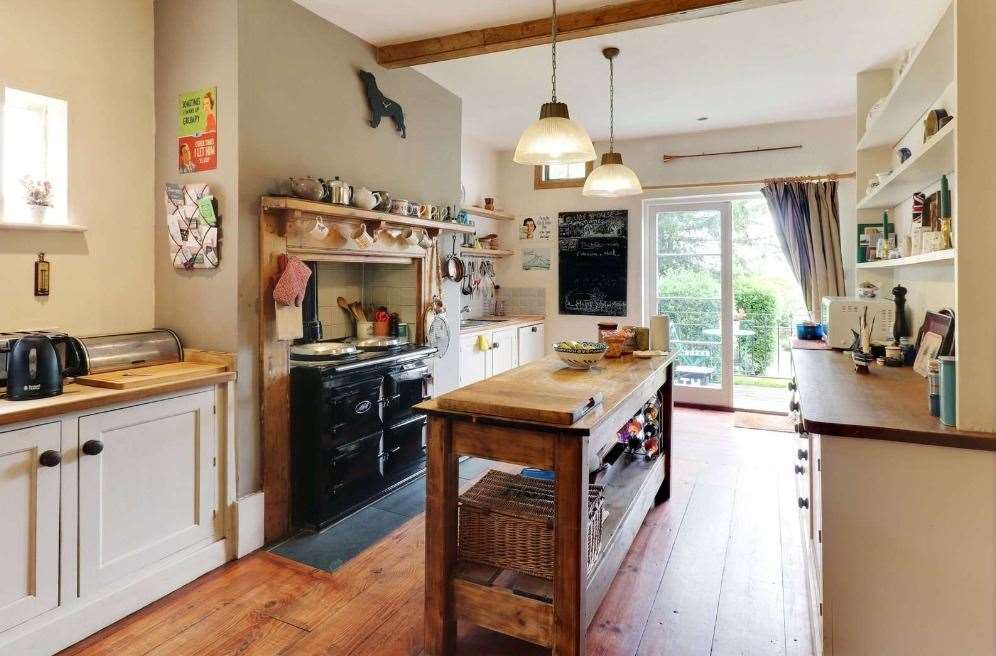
(578,25)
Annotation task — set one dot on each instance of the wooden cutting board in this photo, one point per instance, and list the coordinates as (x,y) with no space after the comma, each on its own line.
(511,400)
(160,373)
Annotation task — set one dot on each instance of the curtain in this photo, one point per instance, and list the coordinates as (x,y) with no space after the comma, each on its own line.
(807,221)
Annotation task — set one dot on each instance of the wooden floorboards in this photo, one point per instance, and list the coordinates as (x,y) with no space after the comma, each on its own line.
(716,570)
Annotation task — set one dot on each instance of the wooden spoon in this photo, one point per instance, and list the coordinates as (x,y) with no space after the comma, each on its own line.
(344,305)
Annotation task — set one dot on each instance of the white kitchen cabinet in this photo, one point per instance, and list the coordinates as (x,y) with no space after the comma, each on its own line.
(29,522)
(474,361)
(532,343)
(504,350)
(147,486)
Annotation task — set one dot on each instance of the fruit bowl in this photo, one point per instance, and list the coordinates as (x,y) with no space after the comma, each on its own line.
(580,355)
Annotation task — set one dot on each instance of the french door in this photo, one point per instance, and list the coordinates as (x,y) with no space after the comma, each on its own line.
(690,258)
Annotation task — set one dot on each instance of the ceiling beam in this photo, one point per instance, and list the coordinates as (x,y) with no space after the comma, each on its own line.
(578,25)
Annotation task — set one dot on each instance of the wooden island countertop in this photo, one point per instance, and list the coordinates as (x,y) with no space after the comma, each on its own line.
(537,393)
(890,403)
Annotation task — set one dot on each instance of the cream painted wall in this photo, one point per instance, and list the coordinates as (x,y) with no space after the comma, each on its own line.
(975,230)
(97,56)
(302,111)
(828,146)
(191,54)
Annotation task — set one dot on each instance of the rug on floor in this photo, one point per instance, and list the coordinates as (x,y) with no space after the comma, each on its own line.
(761,421)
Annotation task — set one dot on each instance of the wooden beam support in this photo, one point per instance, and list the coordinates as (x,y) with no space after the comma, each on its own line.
(577,25)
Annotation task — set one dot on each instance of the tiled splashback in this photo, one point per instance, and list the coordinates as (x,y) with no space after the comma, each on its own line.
(390,285)
(524,300)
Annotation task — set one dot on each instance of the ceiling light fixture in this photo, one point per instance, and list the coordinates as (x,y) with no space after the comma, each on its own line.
(612,179)
(554,138)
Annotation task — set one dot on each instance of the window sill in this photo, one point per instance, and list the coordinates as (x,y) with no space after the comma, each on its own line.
(42,227)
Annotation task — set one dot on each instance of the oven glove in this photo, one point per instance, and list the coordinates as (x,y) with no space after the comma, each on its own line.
(292,283)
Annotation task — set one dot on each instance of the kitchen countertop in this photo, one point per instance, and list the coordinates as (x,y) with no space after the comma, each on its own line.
(506,322)
(617,379)
(890,403)
(75,397)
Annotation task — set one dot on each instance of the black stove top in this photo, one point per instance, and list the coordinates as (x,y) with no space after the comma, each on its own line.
(364,359)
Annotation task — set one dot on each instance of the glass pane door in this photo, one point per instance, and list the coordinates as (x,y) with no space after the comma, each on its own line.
(692,285)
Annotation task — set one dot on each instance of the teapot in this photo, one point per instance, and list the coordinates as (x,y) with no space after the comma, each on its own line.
(366,199)
(337,191)
(307,188)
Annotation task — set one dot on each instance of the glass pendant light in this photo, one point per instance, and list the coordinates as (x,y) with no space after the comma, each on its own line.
(612,178)
(554,138)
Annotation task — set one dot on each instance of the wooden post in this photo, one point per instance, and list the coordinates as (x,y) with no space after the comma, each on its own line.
(440,538)
(570,538)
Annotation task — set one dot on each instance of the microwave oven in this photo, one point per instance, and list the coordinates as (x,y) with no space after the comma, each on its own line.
(840,316)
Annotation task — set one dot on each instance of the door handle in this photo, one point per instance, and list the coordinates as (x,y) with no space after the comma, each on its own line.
(93,447)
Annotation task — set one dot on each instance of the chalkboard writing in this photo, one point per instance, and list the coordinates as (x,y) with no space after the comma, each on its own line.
(593,262)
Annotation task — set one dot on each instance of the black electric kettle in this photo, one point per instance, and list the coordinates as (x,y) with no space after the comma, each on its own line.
(33,369)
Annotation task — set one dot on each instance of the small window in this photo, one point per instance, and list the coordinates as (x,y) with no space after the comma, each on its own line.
(34,149)
(559,176)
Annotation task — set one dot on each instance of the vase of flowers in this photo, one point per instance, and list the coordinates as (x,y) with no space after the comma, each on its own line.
(38,197)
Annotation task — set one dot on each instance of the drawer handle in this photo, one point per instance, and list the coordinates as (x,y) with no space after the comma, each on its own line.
(798,428)
(792,386)
(534,328)
(387,454)
(803,454)
(799,469)
(803,503)
(794,406)
(50,459)
(93,447)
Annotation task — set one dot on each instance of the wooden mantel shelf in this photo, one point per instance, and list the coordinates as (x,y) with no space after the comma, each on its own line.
(468,251)
(288,204)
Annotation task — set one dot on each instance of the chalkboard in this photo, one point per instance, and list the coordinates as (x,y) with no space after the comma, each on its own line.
(593,262)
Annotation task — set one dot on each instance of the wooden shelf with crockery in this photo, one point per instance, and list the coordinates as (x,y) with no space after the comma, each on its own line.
(347,212)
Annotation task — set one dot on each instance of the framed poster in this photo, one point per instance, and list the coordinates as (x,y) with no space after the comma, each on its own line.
(197,141)
(592,262)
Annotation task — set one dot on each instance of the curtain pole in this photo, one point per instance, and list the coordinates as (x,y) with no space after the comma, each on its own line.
(733,183)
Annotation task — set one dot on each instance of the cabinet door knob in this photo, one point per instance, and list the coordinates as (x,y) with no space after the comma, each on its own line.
(799,469)
(495,345)
(794,406)
(803,454)
(792,386)
(93,447)
(803,503)
(50,458)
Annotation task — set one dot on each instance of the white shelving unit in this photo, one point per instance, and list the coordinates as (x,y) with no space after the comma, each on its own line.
(947,256)
(922,83)
(918,172)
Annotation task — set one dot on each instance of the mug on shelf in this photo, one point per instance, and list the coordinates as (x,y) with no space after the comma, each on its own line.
(362,237)
(400,206)
(320,231)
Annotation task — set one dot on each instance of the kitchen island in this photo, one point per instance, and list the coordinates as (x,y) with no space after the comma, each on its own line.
(547,416)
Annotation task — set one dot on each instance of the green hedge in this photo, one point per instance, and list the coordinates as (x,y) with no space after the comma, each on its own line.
(757,351)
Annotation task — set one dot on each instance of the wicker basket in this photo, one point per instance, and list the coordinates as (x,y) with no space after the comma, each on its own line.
(507,521)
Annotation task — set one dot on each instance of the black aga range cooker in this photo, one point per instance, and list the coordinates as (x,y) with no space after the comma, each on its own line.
(354,434)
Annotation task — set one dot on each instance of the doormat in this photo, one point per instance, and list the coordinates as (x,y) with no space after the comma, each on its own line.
(760,421)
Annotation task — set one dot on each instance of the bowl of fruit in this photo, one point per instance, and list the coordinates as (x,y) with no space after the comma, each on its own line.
(580,355)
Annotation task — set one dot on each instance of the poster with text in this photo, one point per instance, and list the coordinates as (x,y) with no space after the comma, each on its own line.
(197,144)
(536,228)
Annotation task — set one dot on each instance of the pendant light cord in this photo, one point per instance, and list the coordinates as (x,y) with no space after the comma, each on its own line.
(612,106)
(554,49)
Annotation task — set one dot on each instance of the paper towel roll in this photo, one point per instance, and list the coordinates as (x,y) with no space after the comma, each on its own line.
(660,332)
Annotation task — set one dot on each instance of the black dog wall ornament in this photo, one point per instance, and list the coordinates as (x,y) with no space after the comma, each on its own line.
(381,105)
